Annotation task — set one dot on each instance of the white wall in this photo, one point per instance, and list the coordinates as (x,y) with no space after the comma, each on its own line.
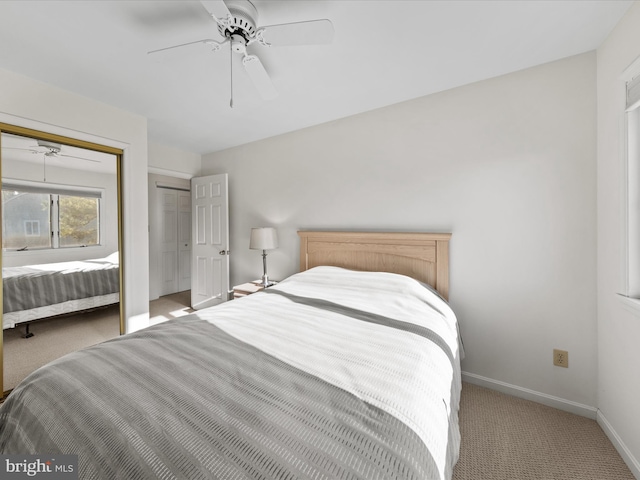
(29,103)
(173,162)
(507,165)
(618,328)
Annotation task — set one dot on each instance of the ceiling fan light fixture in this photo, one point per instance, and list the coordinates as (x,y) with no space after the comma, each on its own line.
(53,148)
(47,144)
(238,44)
(242,20)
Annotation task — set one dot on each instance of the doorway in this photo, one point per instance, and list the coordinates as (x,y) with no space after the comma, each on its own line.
(170,235)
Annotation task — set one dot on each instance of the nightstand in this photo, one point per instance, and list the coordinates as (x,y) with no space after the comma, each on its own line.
(247,289)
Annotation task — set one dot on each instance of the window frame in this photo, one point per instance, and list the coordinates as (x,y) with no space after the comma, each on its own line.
(629,294)
(56,190)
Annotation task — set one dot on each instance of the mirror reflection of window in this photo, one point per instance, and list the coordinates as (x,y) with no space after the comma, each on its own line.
(57,196)
(25,220)
(33,220)
(78,220)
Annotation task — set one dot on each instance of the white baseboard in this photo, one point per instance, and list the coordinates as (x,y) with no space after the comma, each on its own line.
(619,445)
(521,392)
(561,404)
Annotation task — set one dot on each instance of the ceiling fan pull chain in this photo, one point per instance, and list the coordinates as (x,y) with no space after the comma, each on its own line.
(231,70)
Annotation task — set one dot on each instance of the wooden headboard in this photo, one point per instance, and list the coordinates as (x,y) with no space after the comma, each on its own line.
(423,256)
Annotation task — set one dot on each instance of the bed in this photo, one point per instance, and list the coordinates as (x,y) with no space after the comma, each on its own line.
(33,292)
(336,372)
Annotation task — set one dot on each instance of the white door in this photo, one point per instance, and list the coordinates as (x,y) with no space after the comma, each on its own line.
(184,240)
(168,240)
(210,236)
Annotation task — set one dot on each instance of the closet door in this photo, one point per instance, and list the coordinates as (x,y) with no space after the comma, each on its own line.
(168,200)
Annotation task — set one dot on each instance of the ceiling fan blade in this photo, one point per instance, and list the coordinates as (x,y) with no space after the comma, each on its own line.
(206,42)
(79,158)
(216,8)
(312,32)
(20,148)
(259,77)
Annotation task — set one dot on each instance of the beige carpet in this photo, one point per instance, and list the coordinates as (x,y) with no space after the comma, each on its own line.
(170,306)
(507,438)
(58,336)
(54,338)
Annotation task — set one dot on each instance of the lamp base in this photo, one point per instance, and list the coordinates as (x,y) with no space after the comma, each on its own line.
(265,282)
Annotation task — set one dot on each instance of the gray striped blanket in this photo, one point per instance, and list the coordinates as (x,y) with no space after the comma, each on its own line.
(35,286)
(281,384)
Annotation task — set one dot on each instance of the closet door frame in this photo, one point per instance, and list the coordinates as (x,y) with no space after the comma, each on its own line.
(118,153)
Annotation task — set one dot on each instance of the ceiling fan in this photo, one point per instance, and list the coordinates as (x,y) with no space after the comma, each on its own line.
(237,23)
(49,149)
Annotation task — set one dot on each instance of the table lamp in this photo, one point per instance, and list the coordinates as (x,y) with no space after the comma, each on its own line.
(264,238)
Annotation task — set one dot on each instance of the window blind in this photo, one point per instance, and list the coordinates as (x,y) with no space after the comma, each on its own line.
(633,93)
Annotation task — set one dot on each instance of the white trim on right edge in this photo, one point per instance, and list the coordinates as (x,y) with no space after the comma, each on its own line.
(539,397)
(630,304)
(619,445)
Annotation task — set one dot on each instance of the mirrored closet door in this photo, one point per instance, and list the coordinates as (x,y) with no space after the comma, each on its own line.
(61,248)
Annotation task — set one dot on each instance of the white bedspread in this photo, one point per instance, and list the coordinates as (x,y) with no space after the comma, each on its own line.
(407,375)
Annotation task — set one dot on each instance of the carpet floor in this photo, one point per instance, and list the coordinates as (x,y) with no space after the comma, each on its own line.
(56,337)
(508,438)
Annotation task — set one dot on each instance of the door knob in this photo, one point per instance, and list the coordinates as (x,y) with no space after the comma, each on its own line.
(224,252)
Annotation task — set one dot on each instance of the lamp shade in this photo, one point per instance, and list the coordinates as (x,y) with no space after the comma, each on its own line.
(263,238)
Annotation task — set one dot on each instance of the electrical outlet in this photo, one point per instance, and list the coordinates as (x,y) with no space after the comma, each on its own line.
(561,358)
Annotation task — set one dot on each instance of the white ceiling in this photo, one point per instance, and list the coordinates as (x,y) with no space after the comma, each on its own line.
(384,52)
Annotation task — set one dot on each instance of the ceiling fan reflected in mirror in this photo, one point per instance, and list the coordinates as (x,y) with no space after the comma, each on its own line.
(237,23)
(49,149)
